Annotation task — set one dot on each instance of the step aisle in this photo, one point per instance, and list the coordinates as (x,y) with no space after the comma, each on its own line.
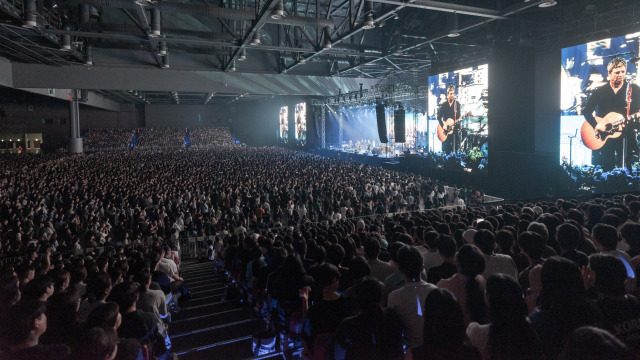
(208,326)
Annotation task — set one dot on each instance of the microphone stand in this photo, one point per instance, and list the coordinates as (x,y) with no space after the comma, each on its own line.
(624,132)
(571,152)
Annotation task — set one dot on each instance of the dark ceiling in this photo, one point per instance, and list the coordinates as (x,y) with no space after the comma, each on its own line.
(394,40)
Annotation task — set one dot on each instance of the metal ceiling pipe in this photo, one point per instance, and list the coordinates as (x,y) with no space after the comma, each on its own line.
(30,16)
(302,21)
(155,23)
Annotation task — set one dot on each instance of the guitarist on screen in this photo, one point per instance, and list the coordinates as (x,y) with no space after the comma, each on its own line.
(613,98)
(449,114)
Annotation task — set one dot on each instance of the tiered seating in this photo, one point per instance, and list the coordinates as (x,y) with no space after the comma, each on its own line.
(155,139)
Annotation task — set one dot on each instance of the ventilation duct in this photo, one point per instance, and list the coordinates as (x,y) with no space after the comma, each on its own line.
(453,27)
(66,40)
(255,40)
(397,39)
(326,42)
(155,23)
(243,55)
(30,16)
(162,48)
(88,55)
(85,13)
(369,23)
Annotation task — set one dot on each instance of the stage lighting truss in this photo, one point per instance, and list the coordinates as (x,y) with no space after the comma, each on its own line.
(390,94)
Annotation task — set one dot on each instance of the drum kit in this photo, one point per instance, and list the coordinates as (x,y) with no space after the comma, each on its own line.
(475,134)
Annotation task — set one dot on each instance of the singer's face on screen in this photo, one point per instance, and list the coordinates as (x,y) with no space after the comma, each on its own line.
(451,94)
(617,74)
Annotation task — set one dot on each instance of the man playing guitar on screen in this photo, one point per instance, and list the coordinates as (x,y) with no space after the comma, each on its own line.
(614,104)
(449,117)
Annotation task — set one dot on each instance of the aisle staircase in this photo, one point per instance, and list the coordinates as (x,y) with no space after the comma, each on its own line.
(208,326)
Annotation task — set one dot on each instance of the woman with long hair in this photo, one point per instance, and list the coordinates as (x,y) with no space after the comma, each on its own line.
(444,329)
(562,305)
(468,285)
(509,336)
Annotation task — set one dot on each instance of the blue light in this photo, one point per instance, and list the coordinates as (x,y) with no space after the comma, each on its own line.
(630,272)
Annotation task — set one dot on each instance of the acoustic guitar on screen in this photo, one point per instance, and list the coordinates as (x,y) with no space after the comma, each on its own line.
(614,124)
(449,127)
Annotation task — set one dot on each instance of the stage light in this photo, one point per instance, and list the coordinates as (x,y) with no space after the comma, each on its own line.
(368,23)
(278,11)
(326,42)
(256,38)
(88,55)
(453,29)
(162,48)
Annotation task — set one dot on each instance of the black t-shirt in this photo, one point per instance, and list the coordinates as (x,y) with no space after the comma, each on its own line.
(603,100)
(442,271)
(622,318)
(138,325)
(371,337)
(446,111)
(325,316)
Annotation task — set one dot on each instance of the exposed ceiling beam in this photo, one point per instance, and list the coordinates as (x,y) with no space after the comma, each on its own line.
(446,7)
(207,43)
(510,11)
(346,36)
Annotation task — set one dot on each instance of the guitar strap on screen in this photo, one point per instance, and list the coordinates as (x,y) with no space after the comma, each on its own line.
(629,89)
(455,111)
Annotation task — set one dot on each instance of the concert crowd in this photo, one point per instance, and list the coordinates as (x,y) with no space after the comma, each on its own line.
(361,257)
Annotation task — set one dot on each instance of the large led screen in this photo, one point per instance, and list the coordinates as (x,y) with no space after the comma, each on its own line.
(599,104)
(301,124)
(457,115)
(284,124)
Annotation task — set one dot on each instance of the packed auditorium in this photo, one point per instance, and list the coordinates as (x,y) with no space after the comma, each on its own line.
(328,180)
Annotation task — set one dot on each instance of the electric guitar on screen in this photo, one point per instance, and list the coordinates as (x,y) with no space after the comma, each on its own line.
(614,124)
(449,126)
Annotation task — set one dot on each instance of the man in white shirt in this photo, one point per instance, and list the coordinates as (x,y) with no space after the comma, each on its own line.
(168,267)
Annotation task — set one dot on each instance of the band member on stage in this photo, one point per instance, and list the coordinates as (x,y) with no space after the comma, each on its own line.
(612,98)
(450,109)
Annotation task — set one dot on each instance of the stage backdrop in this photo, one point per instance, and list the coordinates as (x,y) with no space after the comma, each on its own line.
(283,134)
(301,124)
(472,92)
